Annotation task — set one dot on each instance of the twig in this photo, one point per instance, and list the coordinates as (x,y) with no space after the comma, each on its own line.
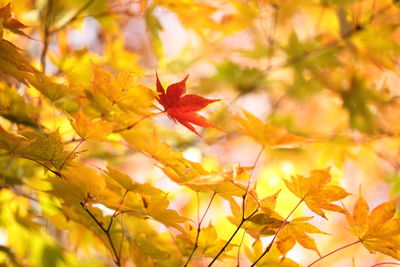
(199,222)
(116,255)
(277,233)
(249,182)
(116,211)
(232,236)
(330,253)
(83,204)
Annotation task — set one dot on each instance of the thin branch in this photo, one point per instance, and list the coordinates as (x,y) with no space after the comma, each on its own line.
(277,233)
(249,182)
(115,214)
(106,232)
(83,204)
(72,152)
(199,222)
(232,236)
(336,250)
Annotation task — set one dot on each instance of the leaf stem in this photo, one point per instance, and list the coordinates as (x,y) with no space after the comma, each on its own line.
(227,243)
(199,225)
(72,152)
(38,162)
(116,211)
(276,235)
(336,250)
(138,121)
(249,182)
(385,263)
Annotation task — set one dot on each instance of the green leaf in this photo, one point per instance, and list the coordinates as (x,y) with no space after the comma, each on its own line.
(358,100)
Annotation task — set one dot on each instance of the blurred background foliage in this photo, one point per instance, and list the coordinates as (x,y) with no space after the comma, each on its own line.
(320,78)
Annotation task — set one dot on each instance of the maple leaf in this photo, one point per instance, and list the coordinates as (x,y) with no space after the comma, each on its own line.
(377,230)
(272,259)
(316,192)
(297,230)
(267,134)
(127,182)
(88,129)
(122,90)
(182,108)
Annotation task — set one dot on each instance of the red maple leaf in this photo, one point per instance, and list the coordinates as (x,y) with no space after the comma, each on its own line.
(182,108)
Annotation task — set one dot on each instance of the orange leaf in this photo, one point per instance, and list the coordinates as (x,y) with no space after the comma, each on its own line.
(267,134)
(378,231)
(316,192)
(297,230)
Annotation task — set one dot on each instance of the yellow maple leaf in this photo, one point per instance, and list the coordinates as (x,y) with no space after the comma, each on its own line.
(267,134)
(297,230)
(88,129)
(272,259)
(316,192)
(377,230)
(172,162)
(122,90)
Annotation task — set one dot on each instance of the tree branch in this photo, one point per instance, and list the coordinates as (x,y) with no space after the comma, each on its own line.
(117,255)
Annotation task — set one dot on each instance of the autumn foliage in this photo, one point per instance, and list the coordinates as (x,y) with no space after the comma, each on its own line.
(281,149)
